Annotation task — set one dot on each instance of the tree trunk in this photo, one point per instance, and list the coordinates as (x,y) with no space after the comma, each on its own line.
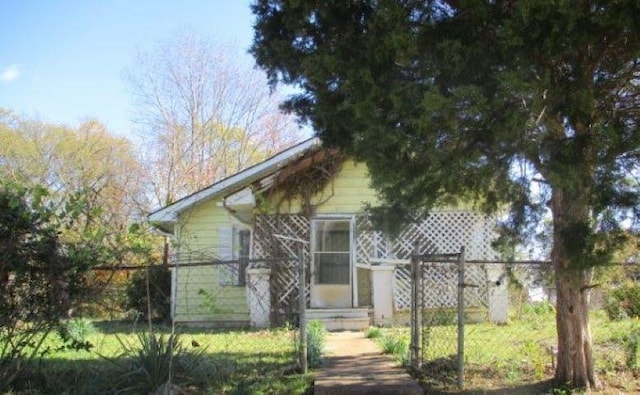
(573,282)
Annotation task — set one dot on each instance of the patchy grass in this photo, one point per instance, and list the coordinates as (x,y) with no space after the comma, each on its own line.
(519,357)
(221,362)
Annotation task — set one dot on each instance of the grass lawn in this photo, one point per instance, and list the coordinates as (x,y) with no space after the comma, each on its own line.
(519,357)
(513,358)
(219,362)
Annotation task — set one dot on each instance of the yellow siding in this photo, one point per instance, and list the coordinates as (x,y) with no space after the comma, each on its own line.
(198,229)
(348,193)
(199,297)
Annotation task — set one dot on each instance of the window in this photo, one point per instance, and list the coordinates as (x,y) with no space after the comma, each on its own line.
(331,246)
(235,244)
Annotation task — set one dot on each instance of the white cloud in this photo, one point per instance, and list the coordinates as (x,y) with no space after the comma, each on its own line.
(9,74)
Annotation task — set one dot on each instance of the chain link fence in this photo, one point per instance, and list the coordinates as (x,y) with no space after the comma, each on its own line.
(489,322)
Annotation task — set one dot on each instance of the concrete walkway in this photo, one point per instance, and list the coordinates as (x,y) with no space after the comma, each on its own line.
(353,364)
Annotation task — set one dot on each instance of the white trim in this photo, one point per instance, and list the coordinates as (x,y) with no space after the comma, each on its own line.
(352,262)
(169,214)
(363,266)
(380,261)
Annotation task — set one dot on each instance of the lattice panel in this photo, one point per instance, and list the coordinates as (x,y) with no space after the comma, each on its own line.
(476,292)
(402,287)
(284,274)
(448,231)
(443,232)
(369,243)
(439,285)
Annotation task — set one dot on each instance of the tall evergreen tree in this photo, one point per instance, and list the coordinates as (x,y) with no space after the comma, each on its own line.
(535,103)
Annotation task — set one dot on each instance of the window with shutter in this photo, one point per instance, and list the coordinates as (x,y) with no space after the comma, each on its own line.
(234,246)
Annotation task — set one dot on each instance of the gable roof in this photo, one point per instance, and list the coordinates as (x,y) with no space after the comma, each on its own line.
(165,217)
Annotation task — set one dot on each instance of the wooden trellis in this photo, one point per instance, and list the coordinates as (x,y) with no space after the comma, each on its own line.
(284,274)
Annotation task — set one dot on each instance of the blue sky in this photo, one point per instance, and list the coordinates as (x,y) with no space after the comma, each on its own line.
(62,61)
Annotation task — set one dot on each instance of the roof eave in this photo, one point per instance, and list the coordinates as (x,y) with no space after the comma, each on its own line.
(169,215)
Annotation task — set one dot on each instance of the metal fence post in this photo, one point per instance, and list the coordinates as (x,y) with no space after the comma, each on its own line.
(461,286)
(415,328)
(302,299)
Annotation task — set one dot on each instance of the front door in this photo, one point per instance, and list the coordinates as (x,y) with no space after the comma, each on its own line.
(331,275)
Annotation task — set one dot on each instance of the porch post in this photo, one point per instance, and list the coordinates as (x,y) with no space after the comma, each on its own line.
(382,284)
(258,296)
(498,293)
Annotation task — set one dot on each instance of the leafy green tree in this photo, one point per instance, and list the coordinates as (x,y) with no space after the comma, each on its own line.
(41,277)
(95,179)
(70,159)
(533,103)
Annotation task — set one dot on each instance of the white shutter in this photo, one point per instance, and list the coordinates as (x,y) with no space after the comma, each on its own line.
(225,252)
(225,242)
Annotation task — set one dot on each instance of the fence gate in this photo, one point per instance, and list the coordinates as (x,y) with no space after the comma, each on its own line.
(444,293)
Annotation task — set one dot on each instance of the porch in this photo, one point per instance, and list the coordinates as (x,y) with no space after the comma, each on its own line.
(357,276)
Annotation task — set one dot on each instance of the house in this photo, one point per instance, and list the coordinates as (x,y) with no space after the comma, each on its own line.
(237,246)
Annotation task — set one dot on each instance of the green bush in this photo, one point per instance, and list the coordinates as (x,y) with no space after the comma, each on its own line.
(159,293)
(315,343)
(623,302)
(41,273)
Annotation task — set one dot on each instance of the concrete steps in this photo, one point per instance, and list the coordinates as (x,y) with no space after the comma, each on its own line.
(342,319)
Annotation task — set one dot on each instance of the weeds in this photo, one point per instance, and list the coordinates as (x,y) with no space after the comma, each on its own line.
(396,345)
(316,334)
(373,332)
(632,350)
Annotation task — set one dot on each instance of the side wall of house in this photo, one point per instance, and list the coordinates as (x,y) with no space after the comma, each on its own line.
(198,295)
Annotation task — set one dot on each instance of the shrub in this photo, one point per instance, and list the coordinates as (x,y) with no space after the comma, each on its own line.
(623,301)
(41,274)
(315,342)
(159,293)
